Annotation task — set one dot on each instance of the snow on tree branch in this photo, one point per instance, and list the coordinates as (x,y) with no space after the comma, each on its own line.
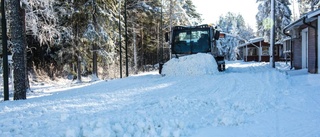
(41,20)
(90,33)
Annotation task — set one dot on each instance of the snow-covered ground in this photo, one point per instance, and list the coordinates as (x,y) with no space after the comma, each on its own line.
(248,99)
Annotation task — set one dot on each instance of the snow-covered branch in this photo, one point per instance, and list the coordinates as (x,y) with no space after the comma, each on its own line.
(41,21)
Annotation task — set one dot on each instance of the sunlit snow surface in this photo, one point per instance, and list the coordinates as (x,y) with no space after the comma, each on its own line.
(249,99)
(197,64)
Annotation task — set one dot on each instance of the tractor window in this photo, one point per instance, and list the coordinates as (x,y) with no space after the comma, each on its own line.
(191,41)
(182,36)
(181,42)
(201,39)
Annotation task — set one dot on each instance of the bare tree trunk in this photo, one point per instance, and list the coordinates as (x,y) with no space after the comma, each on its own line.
(23,13)
(18,38)
(94,49)
(135,62)
(135,51)
(142,49)
(95,63)
(78,56)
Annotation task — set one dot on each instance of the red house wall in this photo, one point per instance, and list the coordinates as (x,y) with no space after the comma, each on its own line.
(297,53)
(297,49)
(312,48)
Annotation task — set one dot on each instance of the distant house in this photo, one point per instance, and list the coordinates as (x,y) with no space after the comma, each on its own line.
(304,42)
(258,50)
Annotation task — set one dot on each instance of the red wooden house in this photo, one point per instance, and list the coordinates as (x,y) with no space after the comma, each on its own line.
(258,50)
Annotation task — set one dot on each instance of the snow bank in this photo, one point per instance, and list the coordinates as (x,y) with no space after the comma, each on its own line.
(197,64)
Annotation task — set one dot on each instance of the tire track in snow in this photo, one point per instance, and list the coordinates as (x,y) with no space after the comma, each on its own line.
(219,100)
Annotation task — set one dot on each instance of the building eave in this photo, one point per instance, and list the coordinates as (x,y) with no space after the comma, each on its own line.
(251,41)
(309,17)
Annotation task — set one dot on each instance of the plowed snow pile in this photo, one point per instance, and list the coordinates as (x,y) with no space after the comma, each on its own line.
(197,64)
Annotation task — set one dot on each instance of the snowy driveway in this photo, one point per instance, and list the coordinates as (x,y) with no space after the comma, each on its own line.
(248,99)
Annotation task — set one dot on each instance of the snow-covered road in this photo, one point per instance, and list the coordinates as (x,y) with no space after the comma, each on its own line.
(248,99)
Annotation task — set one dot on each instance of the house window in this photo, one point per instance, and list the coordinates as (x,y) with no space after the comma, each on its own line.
(252,51)
(265,51)
(275,50)
(281,51)
(287,49)
(288,46)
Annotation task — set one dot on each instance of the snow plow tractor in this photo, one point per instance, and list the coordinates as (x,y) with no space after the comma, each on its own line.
(187,40)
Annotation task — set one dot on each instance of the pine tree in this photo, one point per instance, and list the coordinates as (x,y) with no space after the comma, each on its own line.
(61,33)
(18,40)
(90,36)
(237,32)
(282,15)
(191,12)
(144,26)
(306,6)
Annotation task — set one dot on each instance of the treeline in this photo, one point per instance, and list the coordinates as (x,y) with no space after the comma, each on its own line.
(75,38)
(71,35)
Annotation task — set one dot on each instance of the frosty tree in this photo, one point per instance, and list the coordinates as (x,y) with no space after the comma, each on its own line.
(64,35)
(41,21)
(308,5)
(144,26)
(283,18)
(90,31)
(237,32)
(180,12)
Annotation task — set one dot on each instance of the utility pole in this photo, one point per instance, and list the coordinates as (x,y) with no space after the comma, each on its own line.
(272,34)
(4,53)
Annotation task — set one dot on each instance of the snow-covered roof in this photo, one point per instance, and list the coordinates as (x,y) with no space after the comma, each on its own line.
(313,13)
(283,40)
(287,38)
(309,17)
(278,42)
(254,40)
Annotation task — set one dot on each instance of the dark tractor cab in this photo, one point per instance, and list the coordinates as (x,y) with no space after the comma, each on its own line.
(186,40)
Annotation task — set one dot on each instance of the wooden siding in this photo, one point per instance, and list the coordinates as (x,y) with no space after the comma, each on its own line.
(297,53)
(297,49)
(256,58)
(312,48)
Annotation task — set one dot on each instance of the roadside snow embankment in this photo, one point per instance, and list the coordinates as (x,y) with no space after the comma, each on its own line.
(197,64)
